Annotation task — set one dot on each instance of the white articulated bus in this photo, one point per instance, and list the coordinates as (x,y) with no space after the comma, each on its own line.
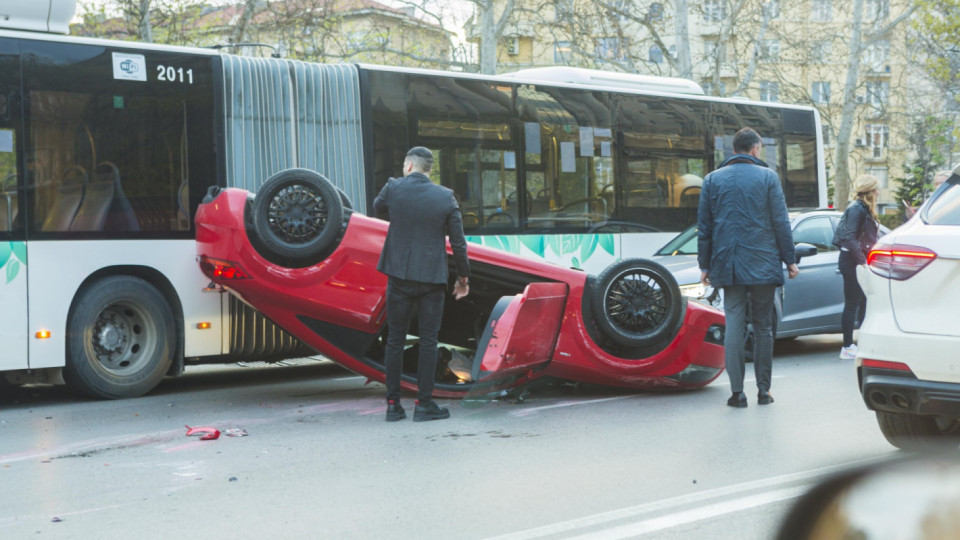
(106,149)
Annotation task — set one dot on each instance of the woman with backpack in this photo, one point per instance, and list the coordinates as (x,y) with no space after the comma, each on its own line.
(856,234)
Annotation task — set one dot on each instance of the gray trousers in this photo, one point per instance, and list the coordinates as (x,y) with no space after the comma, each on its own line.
(735,302)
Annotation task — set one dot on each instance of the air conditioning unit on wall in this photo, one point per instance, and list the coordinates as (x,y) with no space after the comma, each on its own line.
(860,143)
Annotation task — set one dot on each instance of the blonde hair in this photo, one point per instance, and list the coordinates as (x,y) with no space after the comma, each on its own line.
(865,188)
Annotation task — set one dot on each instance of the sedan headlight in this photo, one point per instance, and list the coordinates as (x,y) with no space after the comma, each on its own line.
(694,290)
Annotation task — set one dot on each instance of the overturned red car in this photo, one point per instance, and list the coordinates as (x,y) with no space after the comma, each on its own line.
(299,255)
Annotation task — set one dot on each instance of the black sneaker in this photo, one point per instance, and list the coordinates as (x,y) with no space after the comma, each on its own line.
(738,400)
(429,411)
(764,397)
(395,411)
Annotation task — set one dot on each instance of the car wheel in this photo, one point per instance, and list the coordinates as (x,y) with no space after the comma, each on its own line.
(121,339)
(636,302)
(916,432)
(297,215)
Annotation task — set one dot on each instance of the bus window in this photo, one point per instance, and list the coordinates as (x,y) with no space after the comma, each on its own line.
(115,151)
(568,158)
(9,146)
(664,161)
(474,151)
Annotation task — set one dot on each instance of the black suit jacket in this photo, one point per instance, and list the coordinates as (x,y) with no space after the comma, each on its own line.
(421,215)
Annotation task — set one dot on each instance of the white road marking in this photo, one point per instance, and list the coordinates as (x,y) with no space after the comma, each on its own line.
(771,490)
(525,412)
(684,517)
(348,378)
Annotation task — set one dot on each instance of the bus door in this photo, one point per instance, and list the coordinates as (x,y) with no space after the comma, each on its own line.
(13,249)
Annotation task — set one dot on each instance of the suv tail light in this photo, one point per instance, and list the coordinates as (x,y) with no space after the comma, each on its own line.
(898,261)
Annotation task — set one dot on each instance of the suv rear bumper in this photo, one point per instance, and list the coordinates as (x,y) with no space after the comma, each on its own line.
(894,391)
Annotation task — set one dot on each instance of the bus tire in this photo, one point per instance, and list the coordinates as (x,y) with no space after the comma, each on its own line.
(636,303)
(297,215)
(120,339)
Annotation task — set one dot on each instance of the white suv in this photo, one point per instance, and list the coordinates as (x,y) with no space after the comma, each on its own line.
(908,362)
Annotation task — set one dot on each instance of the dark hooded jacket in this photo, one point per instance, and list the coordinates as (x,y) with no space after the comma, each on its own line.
(857,231)
(744,234)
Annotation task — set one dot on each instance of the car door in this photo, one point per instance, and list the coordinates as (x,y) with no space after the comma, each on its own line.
(519,338)
(813,301)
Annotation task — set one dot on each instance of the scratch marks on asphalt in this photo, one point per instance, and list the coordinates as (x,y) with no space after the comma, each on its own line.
(495,434)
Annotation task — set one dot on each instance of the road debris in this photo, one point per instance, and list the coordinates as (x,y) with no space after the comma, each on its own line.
(209,433)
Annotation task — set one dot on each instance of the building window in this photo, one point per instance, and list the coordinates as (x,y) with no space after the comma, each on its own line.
(770,50)
(878,93)
(882,174)
(562,52)
(820,51)
(563,10)
(876,10)
(827,135)
(608,48)
(714,11)
(877,135)
(820,92)
(769,91)
(877,56)
(655,11)
(771,8)
(712,48)
(656,55)
(822,10)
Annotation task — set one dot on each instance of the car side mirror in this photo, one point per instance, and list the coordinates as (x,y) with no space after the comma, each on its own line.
(804,249)
(916,497)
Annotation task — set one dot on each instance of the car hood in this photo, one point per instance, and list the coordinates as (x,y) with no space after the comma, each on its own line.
(684,268)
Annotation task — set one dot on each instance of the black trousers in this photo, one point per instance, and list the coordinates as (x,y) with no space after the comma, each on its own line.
(854,301)
(402,296)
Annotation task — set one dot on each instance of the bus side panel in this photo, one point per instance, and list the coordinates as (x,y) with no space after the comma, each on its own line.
(13,305)
(57,270)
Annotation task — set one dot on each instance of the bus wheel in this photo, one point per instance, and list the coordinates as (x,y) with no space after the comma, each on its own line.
(297,215)
(636,302)
(120,338)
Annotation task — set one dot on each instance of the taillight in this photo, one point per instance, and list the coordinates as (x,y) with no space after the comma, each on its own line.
(218,269)
(898,261)
(883,364)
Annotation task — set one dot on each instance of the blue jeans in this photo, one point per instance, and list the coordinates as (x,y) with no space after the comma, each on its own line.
(402,296)
(735,300)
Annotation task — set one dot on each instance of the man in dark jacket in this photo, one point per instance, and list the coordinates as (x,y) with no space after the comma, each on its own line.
(743,237)
(414,258)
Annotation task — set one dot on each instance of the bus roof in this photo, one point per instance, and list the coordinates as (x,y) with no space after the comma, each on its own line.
(39,15)
(613,79)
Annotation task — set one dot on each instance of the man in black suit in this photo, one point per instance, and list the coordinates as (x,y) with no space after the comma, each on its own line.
(414,258)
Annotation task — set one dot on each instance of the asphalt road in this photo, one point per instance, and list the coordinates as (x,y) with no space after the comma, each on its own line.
(319,461)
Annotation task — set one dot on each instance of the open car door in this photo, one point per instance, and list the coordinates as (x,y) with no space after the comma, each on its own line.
(519,338)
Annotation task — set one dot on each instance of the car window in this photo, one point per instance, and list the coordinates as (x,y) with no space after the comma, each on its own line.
(685,243)
(945,209)
(817,231)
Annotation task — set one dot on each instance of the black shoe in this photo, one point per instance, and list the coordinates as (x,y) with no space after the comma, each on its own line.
(764,397)
(429,411)
(738,400)
(395,411)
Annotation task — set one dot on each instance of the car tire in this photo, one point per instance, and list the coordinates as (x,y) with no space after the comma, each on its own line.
(297,215)
(121,339)
(916,432)
(636,302)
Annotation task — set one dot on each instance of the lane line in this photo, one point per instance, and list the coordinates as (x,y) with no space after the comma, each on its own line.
(525,412)
(632,530)
(633,512)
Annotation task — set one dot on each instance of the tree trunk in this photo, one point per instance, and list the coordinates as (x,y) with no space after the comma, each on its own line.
(143,27)
(240,31)
(841,161)
(682,32)
(488,38)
